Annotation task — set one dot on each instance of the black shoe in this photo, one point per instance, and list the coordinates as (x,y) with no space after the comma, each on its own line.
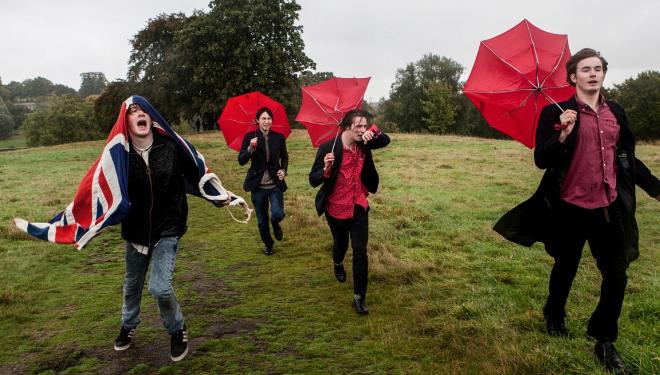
(358,303)
(179,345)
(268,250)
(555,327)
(340,272)
(609,357)
(277,231)
(123,341)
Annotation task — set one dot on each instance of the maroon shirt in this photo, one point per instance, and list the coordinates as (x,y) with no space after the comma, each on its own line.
(349,189)
(590,181)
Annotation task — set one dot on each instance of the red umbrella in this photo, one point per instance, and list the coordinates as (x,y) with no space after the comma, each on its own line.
(238,117)
(324,105)
(515,75)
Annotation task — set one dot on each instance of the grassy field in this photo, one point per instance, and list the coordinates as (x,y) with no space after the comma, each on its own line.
(446,294)
(16,141)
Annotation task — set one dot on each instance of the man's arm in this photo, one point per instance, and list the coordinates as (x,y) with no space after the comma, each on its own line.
(284,156)
(246,152)
(646,180)
(376,138)
(316,175)
(549,149)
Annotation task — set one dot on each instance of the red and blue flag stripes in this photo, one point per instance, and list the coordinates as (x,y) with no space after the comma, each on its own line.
(102,196)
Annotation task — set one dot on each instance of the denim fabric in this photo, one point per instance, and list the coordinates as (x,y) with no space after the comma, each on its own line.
(261,199)
(162,258)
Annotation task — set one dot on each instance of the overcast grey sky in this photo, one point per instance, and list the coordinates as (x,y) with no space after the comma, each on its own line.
(59,40)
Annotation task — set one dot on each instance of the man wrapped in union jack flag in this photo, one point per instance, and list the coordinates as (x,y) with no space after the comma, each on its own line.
(140,180)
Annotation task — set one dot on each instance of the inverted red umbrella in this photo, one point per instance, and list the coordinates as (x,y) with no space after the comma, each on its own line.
(324,105)
(238,117)
(515,75)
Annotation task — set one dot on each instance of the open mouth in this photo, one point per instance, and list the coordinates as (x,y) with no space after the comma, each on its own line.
(142,123)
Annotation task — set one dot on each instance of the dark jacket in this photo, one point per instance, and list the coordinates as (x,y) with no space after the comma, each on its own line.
(536,219)
(369,174)
(278,158)
(157,193)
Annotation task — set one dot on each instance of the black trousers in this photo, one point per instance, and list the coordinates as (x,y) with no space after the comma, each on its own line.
(357,229)
(603,229)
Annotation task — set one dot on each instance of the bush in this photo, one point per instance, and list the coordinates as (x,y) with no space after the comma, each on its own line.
(65,119)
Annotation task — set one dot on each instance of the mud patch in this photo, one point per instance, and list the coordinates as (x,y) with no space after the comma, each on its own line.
(59,359)
(238,266)
(153,355)
(17,368)
(209,293)
(236,328)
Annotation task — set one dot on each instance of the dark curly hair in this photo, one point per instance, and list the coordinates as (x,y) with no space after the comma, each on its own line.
(347,121)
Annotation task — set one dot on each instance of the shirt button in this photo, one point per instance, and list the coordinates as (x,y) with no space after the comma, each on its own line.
(601,132)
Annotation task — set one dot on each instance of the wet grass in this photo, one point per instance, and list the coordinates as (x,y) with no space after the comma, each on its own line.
(446,293)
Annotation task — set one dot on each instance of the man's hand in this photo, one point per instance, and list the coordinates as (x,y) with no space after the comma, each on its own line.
(281,174)
(367,136)
(328,159)
(253,144)
(567,123)
(222,203)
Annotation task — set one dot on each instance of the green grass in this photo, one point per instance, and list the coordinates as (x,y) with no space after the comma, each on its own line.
(446,293)
(15,141)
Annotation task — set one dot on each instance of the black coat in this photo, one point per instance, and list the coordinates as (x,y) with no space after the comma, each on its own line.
(369,174)
(157,193)
(536,219)
(278,158)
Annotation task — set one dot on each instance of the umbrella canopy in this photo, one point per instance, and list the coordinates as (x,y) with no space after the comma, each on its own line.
(324,105)
(238,117)
(515,75)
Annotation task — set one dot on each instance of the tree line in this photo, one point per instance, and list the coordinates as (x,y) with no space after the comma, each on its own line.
(189,66)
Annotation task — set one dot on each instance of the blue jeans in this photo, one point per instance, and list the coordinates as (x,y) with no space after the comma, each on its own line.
(162,258)
(260,200)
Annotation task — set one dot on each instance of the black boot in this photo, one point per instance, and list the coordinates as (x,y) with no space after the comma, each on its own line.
(340,272)
(277,231)
(609,357)
(268,250)
(555,326)
(358,303)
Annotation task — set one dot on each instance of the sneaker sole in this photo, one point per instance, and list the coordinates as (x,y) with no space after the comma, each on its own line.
(122,348)
(180,357)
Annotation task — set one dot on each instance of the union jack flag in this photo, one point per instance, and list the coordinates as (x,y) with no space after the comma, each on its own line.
(102,196)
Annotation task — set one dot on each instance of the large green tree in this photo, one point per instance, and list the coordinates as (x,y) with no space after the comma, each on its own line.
(238,47)
(150,64)
(65,119)
(439,107)
(424,92)
(640,96)
(92,83)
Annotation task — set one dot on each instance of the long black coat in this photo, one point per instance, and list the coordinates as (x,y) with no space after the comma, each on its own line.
(536,219)
(369,174)
(278,158)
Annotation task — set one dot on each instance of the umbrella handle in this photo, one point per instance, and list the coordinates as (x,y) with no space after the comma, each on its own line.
(553,101)
(335,142)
